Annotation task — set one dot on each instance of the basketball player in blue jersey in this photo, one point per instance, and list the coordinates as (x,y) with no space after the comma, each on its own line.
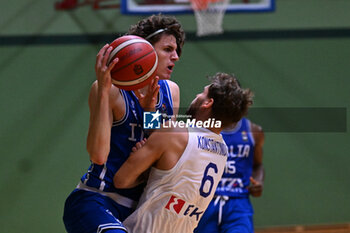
(230,211)
(116,118)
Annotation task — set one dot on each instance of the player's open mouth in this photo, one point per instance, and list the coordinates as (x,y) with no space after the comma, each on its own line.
(170,67)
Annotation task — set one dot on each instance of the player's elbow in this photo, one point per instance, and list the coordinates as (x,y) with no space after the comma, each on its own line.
(98,157)
(98,161)
(119,184)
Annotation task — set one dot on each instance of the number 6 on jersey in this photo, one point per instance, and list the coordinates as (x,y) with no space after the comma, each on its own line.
(207,178)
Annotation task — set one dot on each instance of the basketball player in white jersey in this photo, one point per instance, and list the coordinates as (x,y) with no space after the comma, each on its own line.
(186,163)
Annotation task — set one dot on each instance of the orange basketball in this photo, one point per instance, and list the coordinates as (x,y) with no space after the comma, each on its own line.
(137,63)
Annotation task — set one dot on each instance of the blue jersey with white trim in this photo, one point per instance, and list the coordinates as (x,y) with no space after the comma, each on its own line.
(239,165)
(165,102)
(125,133)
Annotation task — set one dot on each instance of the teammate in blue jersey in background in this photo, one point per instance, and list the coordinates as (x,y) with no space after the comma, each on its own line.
(230,211)
(116,120)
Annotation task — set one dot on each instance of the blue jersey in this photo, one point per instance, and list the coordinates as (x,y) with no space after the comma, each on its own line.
(165,102)
(239,165)
(125,133)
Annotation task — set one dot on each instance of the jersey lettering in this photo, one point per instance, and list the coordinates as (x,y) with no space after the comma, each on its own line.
(176,204)
(211,145)
(195,212)
(230,167)
(133,127)
(243,151)
(227,184)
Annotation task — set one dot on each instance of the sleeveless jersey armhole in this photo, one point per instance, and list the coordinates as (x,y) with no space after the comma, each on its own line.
(126,114)
(250,132)
(169,93)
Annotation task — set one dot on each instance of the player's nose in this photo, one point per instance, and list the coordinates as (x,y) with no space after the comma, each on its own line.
(174,56)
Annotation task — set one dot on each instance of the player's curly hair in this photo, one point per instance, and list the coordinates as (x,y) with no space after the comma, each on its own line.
(153,23)
(231,102)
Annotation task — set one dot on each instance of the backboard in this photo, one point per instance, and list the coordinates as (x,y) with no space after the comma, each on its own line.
(183,6)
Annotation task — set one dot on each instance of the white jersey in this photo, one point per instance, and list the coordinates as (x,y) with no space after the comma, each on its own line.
(174,200)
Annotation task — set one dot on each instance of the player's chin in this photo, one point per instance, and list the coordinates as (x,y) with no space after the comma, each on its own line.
(164,76)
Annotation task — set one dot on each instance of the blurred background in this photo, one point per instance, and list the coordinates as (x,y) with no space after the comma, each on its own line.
(297,56)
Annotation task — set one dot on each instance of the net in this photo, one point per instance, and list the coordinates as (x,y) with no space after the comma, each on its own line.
(209,16)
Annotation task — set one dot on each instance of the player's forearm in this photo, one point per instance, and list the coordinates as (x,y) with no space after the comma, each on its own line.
(123,179)
(258,173)
(135,169)
(98,140)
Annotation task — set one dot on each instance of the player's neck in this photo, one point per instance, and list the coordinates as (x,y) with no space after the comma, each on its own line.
(204,116)
(215,130)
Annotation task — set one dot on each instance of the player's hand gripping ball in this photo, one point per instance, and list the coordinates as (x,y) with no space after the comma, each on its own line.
(137,63)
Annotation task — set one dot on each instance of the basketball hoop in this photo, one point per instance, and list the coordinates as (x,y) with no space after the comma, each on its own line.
(209,16)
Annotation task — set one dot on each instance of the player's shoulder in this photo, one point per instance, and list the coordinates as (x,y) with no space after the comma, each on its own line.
(165,135)
(116,100)
(114,91)
(172,85)
(255,127)
(168,132)
(257,131)
(169,128)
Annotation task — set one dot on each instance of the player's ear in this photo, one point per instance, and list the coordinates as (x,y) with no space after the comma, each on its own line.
(208,103)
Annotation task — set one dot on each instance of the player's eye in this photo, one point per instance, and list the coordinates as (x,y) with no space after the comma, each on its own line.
(169,49)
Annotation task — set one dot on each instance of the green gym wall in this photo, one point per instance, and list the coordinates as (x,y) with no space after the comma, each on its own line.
(295,57)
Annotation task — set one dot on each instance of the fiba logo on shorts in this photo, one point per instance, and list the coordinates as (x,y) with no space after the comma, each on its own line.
(151,120)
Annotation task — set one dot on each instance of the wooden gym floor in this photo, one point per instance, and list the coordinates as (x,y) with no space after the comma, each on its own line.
(338,228)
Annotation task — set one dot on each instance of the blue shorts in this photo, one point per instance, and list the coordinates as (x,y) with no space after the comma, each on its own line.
(237,217)
(90,212)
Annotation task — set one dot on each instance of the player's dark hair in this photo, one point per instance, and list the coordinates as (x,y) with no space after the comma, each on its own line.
(231,102)
(153,23)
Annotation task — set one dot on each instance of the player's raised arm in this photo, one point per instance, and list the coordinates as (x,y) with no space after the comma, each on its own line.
(101,101)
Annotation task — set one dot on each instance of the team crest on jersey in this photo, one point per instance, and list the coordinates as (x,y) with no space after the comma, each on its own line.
(180,207)
(244,136)
(163,108)
(164,113)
